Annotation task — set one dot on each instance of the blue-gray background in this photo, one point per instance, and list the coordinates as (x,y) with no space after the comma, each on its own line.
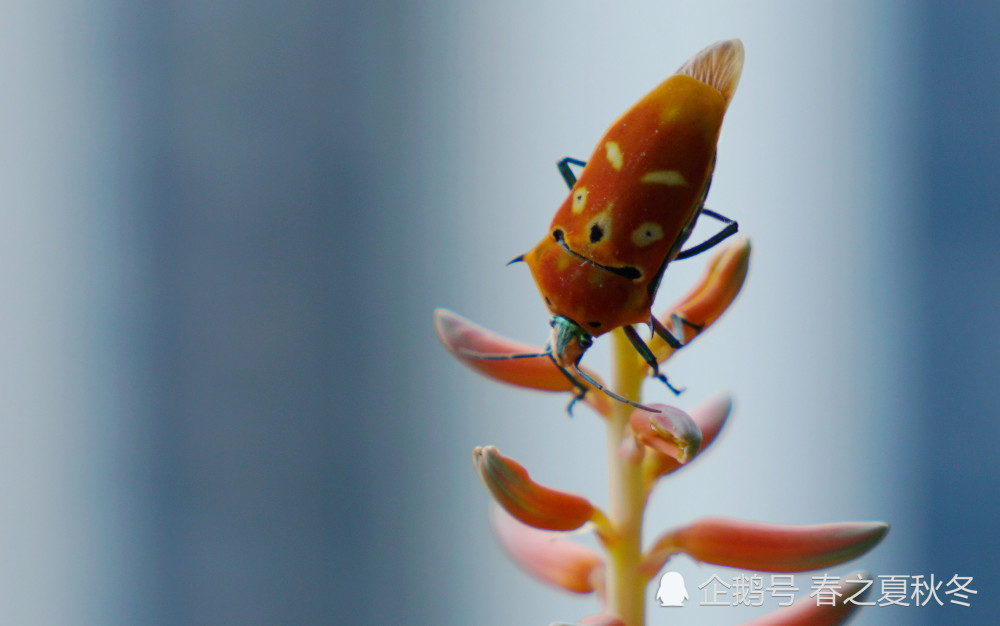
(225,227)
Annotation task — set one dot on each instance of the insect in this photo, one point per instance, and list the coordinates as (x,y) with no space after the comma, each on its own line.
(630,212)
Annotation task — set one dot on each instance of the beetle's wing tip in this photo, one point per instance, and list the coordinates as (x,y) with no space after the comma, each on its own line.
(718,65)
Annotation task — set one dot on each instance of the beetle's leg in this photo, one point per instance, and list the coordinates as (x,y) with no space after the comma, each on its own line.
(678,322)
(576,398)
(664,333)
(582,374)
(581,389)
(647,356)
(728,230)
(567,173)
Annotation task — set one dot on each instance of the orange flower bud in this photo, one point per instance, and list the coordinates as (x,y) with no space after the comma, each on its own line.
(528,501)
(806,612)
(712,295)
(766,547)
(549,556)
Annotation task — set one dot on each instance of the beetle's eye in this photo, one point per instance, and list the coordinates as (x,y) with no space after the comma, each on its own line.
(594,324)
(557,234)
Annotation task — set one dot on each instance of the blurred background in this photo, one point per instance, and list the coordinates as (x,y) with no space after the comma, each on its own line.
(225,228)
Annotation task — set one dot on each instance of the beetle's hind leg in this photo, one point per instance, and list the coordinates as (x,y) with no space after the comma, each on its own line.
(647,356)
(675,338)
(730,229)
(567,173)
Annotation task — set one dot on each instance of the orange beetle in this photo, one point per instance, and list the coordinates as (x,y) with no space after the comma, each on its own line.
(632,209)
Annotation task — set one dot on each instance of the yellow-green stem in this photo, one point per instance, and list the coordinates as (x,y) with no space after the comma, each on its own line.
(625,587)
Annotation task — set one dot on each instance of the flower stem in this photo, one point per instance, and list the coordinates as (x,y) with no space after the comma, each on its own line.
(625,590)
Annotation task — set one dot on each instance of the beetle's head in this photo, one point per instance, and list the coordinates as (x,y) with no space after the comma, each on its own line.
(568,341)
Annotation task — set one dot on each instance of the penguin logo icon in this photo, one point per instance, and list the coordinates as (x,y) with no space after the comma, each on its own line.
(672,591)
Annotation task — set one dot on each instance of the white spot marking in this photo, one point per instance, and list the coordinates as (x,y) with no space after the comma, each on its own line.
(614,154)
(579,200)
(647,233)
(673,178)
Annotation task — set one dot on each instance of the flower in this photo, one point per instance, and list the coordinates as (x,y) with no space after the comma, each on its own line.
(670,432)
(533,521)
(528,501)
(765,547)
(550,556)
(709,416)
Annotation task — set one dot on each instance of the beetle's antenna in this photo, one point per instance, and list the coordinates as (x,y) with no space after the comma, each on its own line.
(505,357)
(486,356)
(610,393)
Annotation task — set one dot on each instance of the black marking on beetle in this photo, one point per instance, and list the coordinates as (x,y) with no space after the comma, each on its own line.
(596,233)
(628,271)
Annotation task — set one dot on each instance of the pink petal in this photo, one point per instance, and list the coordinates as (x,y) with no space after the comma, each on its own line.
(549,556)
(766,547)
(465,340)
(710,416)
(528,501)
(805,612)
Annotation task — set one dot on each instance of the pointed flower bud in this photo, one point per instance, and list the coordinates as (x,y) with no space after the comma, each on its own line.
(671,431)
(713,294)
(766,547)
(488,353)
(807,612)
(528,501)
(549,556)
